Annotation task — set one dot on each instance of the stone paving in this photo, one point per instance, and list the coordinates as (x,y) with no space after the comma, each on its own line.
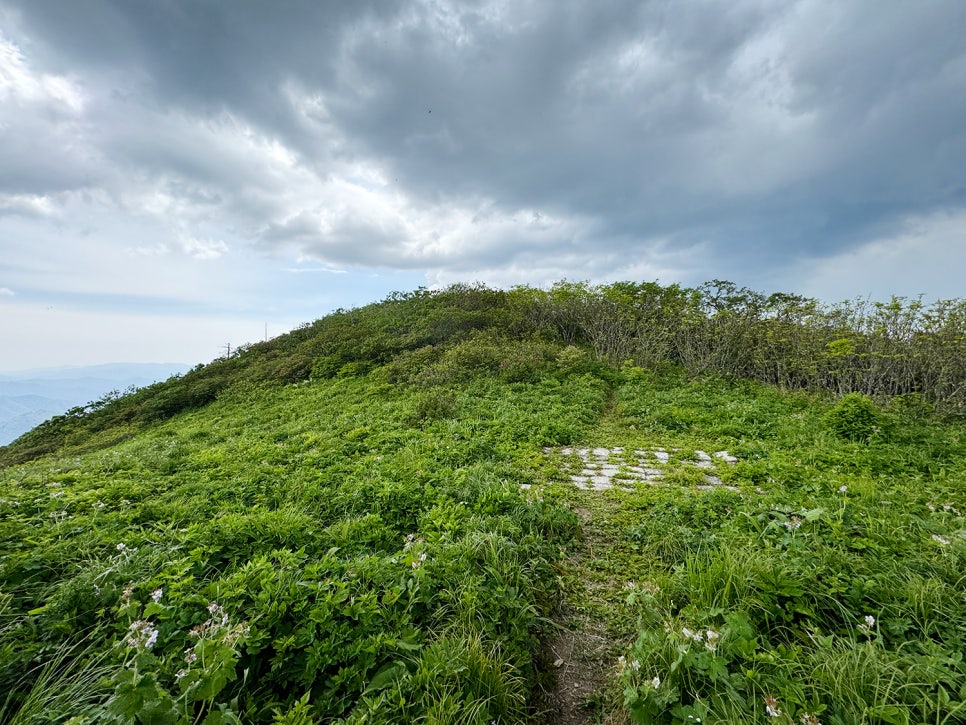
(604,468)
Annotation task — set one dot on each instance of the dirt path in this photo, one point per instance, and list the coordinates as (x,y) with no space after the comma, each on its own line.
(583,653)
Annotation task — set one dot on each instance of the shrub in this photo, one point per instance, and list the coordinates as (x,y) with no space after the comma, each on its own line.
(855,418)
(434,405)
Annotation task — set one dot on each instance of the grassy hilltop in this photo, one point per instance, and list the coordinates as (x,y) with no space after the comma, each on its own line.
(476,506)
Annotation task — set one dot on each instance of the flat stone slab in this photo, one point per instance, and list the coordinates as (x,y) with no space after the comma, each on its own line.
(605,468)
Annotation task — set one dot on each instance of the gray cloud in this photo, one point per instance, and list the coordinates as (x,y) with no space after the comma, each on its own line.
(494,139)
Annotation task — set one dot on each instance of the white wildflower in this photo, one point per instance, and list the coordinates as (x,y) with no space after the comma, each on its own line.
(711,639)
(218,612)
(696,636)
(141,635)
(869,620)
(842,489)
(771,707)
(121,547)
(656,682)
(940,539)
(157,594)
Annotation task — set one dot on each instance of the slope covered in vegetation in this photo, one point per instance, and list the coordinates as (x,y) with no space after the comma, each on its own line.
(373,519)
(900,347)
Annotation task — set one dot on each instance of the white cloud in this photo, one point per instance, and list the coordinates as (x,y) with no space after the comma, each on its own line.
(19,84)
(27,204)
(6,292)
(927,257)
(504,142)
(203,248)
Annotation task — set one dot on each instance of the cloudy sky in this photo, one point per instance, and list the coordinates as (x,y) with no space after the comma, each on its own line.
(176,175)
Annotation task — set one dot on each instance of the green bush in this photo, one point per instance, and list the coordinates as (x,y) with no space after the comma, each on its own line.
(433,405)
(855,418)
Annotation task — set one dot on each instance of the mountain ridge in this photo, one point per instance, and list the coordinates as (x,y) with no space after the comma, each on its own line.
(480,506)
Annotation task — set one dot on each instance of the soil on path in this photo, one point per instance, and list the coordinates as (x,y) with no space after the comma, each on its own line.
(582,655)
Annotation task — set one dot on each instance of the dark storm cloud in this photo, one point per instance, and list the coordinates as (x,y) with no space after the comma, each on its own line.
(756,132)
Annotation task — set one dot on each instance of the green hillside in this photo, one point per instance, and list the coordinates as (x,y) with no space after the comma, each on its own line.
(585,504)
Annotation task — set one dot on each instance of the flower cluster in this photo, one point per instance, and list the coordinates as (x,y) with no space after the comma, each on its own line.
(218,612)
(141,635)
(867,625)
(623,663)
(219,618)
(409,543)
(709,638)
(217,626)
(946,505)
(647,587)
(190,657)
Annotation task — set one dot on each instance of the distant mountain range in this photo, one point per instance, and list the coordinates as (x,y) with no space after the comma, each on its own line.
(29,397)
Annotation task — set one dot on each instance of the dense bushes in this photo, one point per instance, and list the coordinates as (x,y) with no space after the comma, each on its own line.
(879,349)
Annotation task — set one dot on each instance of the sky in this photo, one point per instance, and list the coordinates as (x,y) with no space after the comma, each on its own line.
(181,175)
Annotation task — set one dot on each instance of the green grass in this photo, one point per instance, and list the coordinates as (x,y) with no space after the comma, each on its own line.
(822,532)
(366,557)
(358,548)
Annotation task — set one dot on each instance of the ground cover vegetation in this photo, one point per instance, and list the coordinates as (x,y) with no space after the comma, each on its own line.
(372,519)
